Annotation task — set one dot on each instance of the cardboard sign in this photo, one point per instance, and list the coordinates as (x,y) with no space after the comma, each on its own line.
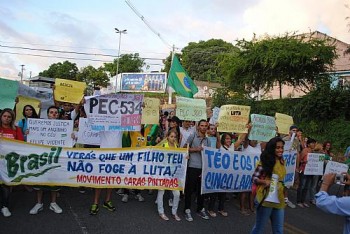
(69,91)
(314,165)
(22,102)
(191,109)
(263,128)
(8,94)
(150,113)
(283,123)
(233,118)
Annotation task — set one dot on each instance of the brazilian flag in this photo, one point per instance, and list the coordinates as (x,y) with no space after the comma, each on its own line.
(180,81)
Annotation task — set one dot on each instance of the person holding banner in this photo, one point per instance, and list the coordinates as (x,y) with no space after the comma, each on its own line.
(226,142)
(332,204)
(169,143)
(195,142)
(28,112)
(270,172)
(52,113)
(8,130)
(304,180)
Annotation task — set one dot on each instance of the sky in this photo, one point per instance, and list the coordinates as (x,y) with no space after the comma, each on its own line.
(29,28)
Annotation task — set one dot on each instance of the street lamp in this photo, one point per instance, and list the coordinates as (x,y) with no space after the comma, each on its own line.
(120,39)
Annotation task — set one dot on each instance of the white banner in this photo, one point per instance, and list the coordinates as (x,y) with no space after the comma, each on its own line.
(227,171)
(115,112)
(138,168)
(53,132)
(314,165)
(335,167)
(85,133)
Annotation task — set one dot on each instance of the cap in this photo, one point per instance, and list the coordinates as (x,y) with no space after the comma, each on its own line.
(292,127)
(174,119)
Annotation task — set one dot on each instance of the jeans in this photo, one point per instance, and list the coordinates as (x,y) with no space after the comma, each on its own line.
(193,184)
(304,185)
(313,186)
(263,214)
(5,195)
(175,202)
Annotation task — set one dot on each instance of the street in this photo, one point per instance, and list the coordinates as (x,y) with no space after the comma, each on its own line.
(141,217)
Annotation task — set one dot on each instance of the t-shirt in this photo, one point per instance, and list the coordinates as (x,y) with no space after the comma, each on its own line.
(15,134)
(194,141)
(347,153)
(111,139)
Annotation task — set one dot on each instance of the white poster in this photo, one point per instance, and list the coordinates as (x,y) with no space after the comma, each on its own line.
(314,165)
(53,132)
(85,133)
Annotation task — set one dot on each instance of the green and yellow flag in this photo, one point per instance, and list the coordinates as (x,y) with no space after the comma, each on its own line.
(180,81)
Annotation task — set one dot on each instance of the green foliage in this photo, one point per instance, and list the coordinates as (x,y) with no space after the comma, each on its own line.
(127,63)
(93,77)
(290,59)
(65,70)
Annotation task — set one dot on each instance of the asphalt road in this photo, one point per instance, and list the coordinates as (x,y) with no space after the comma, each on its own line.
(141,217)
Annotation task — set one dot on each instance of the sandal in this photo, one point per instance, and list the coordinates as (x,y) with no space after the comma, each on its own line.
(176,217)
(164,217)
(212,213)
(244,212)
(223,213)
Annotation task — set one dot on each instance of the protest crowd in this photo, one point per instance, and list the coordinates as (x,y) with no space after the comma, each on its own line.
(205,163)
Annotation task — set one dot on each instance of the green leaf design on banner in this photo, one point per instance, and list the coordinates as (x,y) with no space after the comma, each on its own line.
(21,177)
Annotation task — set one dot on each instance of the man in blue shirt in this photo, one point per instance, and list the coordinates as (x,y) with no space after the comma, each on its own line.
(333,204)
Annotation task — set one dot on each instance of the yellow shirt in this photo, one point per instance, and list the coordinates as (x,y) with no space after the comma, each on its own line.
(280,170)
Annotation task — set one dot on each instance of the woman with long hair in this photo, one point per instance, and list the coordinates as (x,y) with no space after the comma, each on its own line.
(8,130)
(271,163)
(28,112)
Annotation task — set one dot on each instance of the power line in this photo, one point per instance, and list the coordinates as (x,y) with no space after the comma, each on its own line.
(133,8)
(70,52)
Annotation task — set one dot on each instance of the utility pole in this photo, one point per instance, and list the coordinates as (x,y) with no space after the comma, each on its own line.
(22,69)
(120,40)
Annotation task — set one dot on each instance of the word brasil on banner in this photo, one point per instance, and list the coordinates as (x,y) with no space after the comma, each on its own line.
(231,171)
(145,168)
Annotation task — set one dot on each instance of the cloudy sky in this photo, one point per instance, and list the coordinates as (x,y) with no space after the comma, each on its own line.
(31,30)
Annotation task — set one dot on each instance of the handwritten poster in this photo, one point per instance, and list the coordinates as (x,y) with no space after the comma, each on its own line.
(86,135)
(283,123)
(263,127)
(69,91)
(214,119)
(314,165)
(150,113)
(233,118)
(191,109)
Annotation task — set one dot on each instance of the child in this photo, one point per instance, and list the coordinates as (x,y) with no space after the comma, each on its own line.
(170,143)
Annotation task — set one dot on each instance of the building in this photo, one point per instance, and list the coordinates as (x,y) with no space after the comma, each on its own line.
(40,84)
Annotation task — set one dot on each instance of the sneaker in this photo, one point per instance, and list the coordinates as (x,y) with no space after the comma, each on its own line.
(176,217)
(164,217)
(188,215)
(170,202)
(82,190)
(38,207)
(109,206)
(223,213)
(306,205)
(203,214)
(139,197)
(290,204)
(212,213)
(55,208)
(94,209)
(120,192)
(5,211)
(125,198)
(301,205)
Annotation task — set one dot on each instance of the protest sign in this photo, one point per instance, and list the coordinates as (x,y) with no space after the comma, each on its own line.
(143,82)
(335,167)
(23,101)
(227,171)
(191,109)
(8,94)
(231,171)
(214,119)
(283,123)
(85,133)
(233,118)
(132,168)
(69,91)
(114,112)
(263,127)
(314,165)
(150,113)
(53,132)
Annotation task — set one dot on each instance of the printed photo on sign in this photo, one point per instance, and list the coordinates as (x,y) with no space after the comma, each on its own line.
(114,112)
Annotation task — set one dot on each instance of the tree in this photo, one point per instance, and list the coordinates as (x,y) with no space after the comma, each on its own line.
(127,63)
(201,59)
(65,70)
(93,77)
(293,60)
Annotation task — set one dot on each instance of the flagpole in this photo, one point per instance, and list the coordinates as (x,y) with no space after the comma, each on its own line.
(170,92)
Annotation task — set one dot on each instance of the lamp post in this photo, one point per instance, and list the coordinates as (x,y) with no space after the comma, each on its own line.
(22,73)
(120,39)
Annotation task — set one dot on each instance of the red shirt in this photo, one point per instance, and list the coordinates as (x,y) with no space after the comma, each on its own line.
(12,134)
